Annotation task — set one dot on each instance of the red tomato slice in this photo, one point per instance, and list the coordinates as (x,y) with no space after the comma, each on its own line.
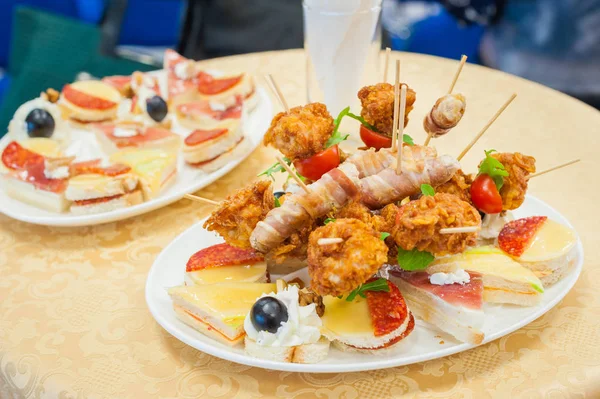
(316,166)
(373,139)
(485,195)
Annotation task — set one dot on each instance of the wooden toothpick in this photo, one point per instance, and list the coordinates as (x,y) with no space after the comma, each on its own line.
(329,241)
(400,137)
(543,172)
(466,229)
(396,101)
(293,174)
(463,59)
(472,143)
(386,63)
(200,199)
(277,92)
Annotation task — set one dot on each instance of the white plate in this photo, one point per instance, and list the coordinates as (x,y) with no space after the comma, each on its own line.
(169,267)
(188,179)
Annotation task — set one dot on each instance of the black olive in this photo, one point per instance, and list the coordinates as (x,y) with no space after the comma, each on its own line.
(40,123)
(268,313)
(279,194)
(157,108)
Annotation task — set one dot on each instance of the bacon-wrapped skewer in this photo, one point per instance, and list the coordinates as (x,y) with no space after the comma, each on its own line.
(445,114)
(334,189)
(387,186)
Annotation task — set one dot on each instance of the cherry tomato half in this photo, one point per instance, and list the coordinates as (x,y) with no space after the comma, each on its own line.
(316,166)
(485,195)
(373,139)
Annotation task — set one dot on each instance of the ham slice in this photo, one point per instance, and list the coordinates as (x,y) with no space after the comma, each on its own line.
(453,308)
(333,190)
(387,186)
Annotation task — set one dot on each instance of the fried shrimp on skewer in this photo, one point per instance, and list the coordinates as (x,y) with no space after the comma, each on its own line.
(459,185)
(378,106)
(518,166)
(237,216)
(418,224)
(336,269)
(302,132)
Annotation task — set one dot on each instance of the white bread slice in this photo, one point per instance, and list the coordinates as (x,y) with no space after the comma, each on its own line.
(129,199)
(552,270)
(289,264)
(463,324)
(31,195)
(241,148)
(196,323)
(91,186)
(306,353)
(210,149)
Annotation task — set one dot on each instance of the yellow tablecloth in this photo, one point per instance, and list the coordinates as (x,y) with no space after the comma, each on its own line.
(74,322)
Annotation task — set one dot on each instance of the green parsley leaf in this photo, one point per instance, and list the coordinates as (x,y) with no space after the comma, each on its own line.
(275,168)
(277,203)
(426,189)
(377,285)
(362,121)
(384,235)
(328,220)
(493,168)
(414,260)
(407,139)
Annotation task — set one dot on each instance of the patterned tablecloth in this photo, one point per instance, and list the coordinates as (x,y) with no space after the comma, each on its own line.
(74,322)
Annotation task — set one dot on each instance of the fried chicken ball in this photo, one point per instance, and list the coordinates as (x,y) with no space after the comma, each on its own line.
(459,185)
(302,132)
(378,106)
(238,214)
(337,269)
(518,166)
(418,224)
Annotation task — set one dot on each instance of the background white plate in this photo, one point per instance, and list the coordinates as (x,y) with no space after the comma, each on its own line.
(423,344)
(188,179)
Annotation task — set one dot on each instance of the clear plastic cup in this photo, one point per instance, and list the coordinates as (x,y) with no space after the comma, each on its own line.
(342,42)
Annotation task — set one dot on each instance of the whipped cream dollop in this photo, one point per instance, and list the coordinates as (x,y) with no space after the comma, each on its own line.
(124,132)
(17,128)
(302,327)
(62,172)
(185,70)
(457,277)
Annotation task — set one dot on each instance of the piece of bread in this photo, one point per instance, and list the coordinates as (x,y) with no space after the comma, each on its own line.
(552,270)
(213,165)
(211,332)
(206,145)
(306,353)
(129,199)
(287,265)
(29,194)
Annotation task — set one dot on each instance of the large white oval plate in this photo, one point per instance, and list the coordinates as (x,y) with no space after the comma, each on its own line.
(423,344)
(187,180)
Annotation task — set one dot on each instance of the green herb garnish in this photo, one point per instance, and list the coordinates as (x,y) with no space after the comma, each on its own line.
(362,121)
(493,168)
(384,235)
(377,285)
(328,220)
(275,168)
(426,189)
(277,203)
(414,259)
(407,139)
(336,136)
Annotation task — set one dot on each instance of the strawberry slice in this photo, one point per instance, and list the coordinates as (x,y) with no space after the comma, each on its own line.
(93,167)
(201,136)
(516,236)
(222,255)
(210,85)
(85,100)
(388,309)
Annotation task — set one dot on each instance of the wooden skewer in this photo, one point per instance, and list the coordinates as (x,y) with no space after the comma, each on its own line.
(386,63)
(472,143)
(329,241)
(543,172)
(396,101)
(293,174)
(401,129)
(463,59)
(466,229)
(200,199)
(277,92)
